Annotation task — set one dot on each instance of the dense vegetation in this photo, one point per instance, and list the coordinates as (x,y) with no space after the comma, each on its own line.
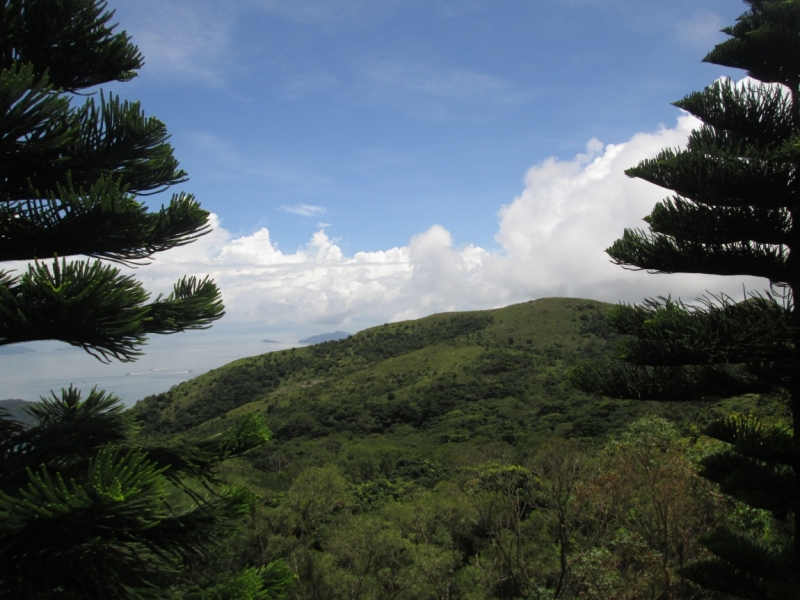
(87,510)
(731,210)
(460,375)
(446,458)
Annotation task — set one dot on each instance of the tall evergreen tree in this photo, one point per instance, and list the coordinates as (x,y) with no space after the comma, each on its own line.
(85,510)
(69,181)
(735,211)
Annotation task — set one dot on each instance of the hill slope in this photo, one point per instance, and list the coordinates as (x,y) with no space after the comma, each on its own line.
(427,460)
(458,386)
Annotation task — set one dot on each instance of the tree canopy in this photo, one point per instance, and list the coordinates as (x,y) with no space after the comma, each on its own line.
(86,510)
(733,212)
(70,181)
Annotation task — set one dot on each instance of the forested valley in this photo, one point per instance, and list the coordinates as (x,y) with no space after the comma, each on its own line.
(449,457)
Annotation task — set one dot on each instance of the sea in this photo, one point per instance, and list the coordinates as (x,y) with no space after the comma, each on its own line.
(28,371)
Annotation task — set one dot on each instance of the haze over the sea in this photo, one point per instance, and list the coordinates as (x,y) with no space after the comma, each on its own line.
(168,361)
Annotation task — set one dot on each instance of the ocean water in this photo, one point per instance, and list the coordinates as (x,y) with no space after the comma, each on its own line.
(168,361)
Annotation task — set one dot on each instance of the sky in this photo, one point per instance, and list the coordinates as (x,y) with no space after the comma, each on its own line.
(368,161)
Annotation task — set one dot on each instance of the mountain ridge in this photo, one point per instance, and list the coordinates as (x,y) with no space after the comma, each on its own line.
(320,338)
(414,373)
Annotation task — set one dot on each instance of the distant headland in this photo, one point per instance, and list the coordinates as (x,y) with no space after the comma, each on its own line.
(326,337)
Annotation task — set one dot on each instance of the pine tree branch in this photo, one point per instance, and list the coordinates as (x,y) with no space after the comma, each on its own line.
(719,331)
(96,308)
(193,304)
(69,38)
(719,575)
(755,112)
(87,305)
(104,222)
(35,123)
(761,485)
(118,138)
(114,140)
(685,220)
(77,488)
(68,433)
(672,384)
(105,517)
(722,179)
(763,42)
(753,438)
(657,253)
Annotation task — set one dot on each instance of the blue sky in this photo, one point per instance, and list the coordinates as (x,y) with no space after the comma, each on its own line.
(371,160)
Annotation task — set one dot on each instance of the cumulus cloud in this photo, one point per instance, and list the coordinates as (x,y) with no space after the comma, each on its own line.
(306,210)
(552,237)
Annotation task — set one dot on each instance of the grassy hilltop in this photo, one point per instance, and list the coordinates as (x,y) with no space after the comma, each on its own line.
(458,386)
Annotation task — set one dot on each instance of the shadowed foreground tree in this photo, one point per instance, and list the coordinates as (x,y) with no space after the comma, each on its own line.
(85,512)
(734,212)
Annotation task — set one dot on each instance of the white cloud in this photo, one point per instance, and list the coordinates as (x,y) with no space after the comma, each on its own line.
(306,210)
(552,236)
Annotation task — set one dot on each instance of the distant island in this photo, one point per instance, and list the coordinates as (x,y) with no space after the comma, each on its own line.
(270,342)
(326,337)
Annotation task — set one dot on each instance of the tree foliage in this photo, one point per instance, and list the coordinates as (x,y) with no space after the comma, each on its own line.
(70,182)
(733,213)
(86,511)
(567,521)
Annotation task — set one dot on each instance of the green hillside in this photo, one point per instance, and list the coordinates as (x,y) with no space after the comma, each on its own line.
(487,381)
(447,457)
